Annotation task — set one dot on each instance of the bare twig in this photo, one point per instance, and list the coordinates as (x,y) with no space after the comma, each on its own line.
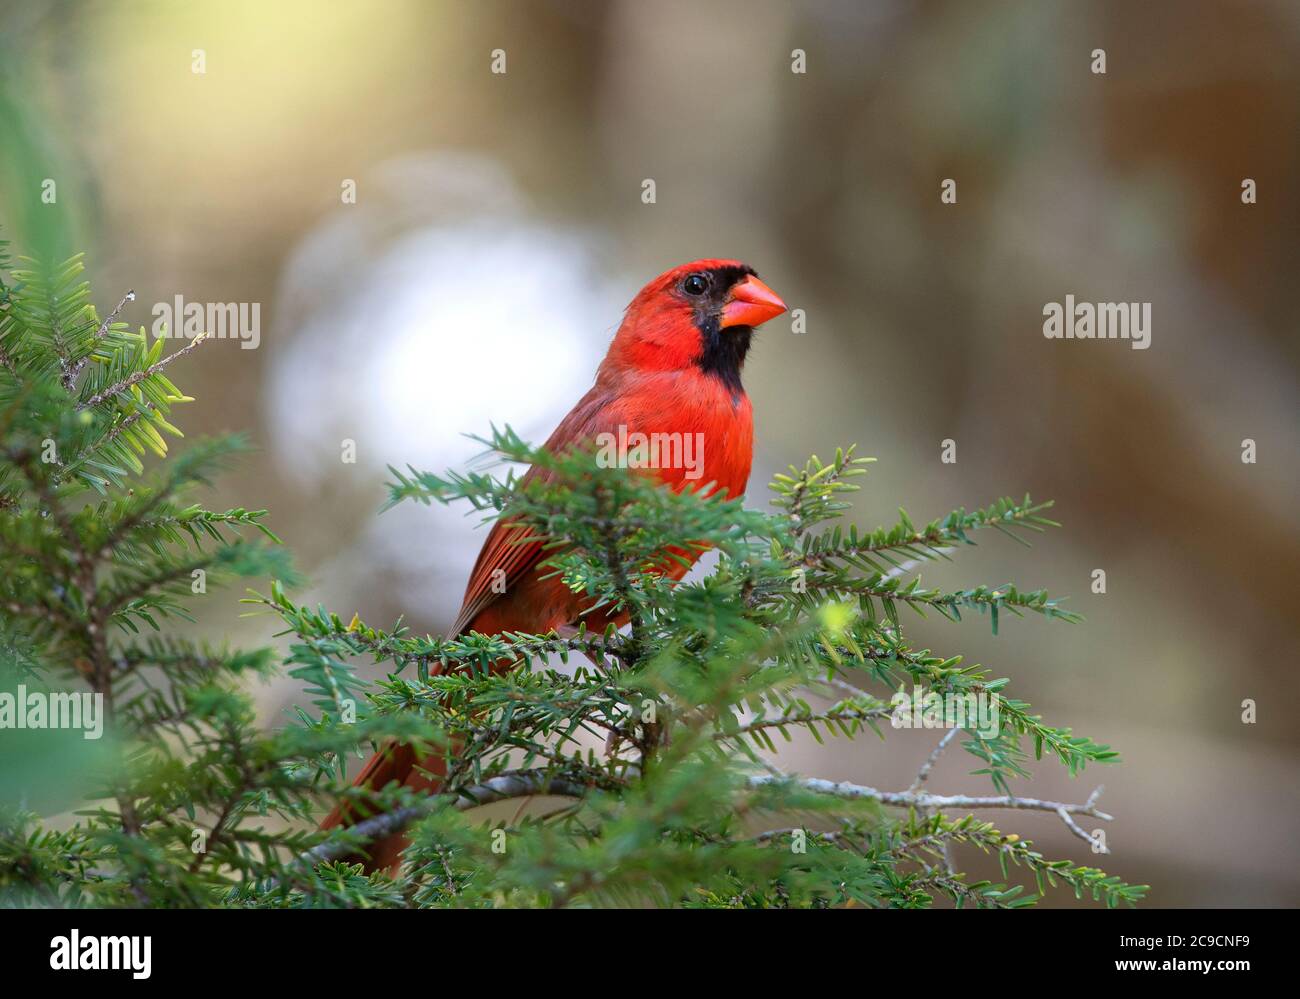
(923,774)
(70,375)
(1074,826)
(845,687)
(955,802)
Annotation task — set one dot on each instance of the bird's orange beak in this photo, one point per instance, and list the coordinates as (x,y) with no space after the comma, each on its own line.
(751,303)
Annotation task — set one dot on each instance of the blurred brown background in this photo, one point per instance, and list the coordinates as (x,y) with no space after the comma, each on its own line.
(499,229)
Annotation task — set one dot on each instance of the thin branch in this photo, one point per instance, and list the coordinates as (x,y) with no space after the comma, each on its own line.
(903,568)
(923,774)
(1074,826)
(955,802)
(116,601)
(830,715)
(70,376)
(841,685)
(771,834)
(516,785)
(120,387)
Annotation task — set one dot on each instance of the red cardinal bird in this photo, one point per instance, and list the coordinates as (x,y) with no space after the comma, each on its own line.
(672,368)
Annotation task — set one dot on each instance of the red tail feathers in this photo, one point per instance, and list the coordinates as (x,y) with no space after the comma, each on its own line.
(395,763)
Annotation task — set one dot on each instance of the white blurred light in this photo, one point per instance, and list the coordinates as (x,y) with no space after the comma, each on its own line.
(435,307)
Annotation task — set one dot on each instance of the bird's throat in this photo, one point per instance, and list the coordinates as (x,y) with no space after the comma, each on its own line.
(723,354)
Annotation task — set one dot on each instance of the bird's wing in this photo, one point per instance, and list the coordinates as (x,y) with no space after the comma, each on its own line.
(508,547)
(506,550)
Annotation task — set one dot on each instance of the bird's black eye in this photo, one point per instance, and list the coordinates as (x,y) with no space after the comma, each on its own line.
(696,284)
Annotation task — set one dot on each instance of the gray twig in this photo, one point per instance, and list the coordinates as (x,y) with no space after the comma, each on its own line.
(955,802)
(70,374)
(923,774)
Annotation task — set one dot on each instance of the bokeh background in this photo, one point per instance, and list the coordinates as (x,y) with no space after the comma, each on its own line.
(499,229)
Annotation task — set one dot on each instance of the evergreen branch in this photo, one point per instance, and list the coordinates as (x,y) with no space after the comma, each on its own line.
(840,713)
(135,378)
(936,539)
(70,377)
